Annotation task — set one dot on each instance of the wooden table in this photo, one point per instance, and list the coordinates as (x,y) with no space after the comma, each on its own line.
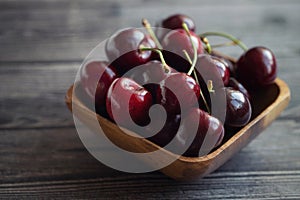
(42,44)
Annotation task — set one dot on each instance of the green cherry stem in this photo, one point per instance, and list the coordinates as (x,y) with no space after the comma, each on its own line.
(223,44)
(185,27)
(148,27)
(190,61)
(208,46)
(196,78)
(187,56)
(225,35)
(210,86)
(158,51)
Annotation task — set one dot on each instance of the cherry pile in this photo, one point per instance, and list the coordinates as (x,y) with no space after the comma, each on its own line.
(178,58)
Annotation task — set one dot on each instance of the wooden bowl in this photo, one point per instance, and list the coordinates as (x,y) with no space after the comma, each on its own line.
(267,105)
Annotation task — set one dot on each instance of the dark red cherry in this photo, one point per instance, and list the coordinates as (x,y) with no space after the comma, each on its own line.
(222,68)
(233,83)
(175,22)
(175,42)
(167,133)
(229,64)
(207,71)
(96,77)
(123,49)
(220,140)
(178,87)
(239,110)
(125,94)
(207,67)
(256,67)
(151,72)
(209,133)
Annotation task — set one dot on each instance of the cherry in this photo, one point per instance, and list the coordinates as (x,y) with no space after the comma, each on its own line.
(96,77)
(210,132)
(207,67)
(175,22)
(167,133)
(222,68)
(176,41)
(238,112)
(220,140)
(207,70)
(184,88)
(233,83)
(256,67)
(229,64)
(123,49)
(140,101)
(154,72)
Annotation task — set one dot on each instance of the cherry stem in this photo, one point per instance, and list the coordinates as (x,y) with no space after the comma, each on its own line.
(187,56)
(196,78)
(208,46)
(148,27)
(158,51)
(223,44)
(210,86)
(225,35)
(193,64)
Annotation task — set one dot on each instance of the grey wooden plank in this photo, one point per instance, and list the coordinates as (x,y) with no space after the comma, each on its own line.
(263,186)
(58,154)
(68,30)
(33,95)
(53,163)
(47,154)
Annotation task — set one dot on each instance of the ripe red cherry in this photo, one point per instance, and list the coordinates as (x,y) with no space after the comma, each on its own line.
(222,68)
(167,133)
(123,49)
(209,133)
(140,100)
(175,22)
(207,68)
(256,67)
(239,109)
(233,83)
(154,71)
(175,42)
(229,64)
(96,77)
(184,89)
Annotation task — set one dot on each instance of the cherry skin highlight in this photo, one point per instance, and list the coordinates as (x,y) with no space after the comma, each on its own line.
(140,101)
(238,112)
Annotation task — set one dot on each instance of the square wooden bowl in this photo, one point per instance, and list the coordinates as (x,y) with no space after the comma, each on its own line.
(267,105)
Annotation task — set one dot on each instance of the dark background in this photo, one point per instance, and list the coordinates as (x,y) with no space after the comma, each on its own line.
(42,44)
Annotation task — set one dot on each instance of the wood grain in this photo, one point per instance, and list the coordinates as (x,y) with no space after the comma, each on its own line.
(68,30)
(42,44)
(65,169)
(220,186)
